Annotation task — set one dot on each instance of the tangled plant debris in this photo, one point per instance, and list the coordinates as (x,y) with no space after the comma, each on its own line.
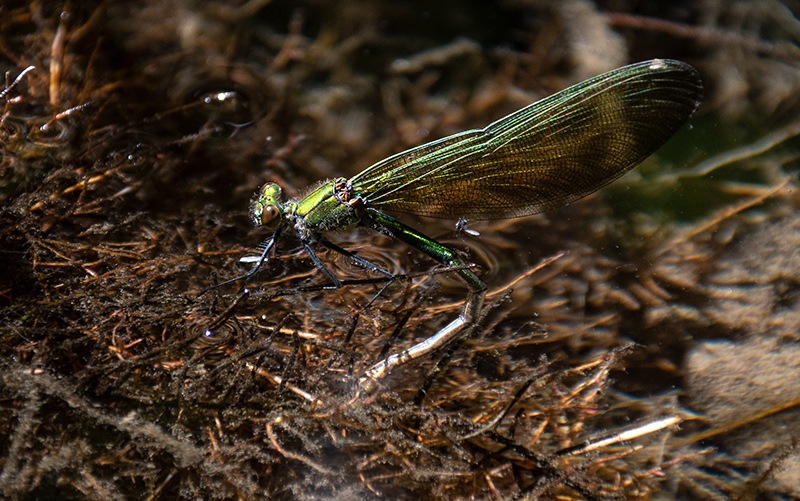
(133,135)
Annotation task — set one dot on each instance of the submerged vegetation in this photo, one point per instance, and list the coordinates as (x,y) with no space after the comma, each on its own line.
(134,134)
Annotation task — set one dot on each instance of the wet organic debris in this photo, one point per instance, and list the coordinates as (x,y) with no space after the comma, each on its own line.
(132,145)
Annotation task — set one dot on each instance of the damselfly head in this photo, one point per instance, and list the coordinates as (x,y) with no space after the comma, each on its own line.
(265,207)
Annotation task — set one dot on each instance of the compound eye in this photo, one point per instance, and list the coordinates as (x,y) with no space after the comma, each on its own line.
(266,207)
(268,214)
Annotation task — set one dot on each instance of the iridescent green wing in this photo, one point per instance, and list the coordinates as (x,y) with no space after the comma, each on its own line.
(545,155)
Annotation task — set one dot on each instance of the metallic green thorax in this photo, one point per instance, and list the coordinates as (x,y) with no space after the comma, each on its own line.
(325,209)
